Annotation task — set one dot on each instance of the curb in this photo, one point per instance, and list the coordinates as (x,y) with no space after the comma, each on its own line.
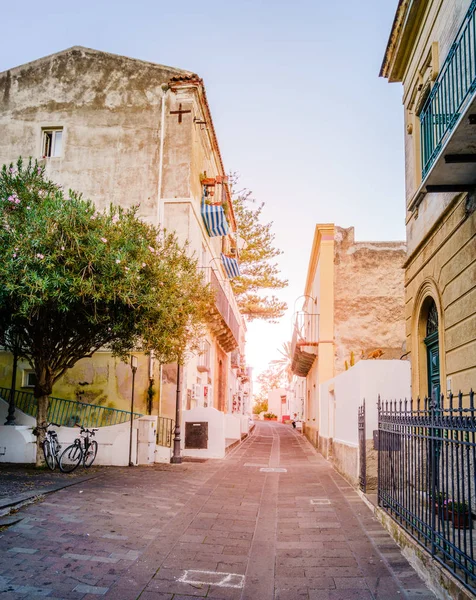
(48,489)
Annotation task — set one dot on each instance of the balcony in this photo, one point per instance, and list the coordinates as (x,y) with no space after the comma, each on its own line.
(305,343)
(448,118)
(224,323)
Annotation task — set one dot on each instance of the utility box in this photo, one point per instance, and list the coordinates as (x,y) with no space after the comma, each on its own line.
(146,440)
(196,435)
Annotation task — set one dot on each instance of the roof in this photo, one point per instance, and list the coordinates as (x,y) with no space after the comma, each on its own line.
(176,72)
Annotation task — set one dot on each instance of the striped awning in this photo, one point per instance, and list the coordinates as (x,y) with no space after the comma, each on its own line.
(214,219)
(231,266)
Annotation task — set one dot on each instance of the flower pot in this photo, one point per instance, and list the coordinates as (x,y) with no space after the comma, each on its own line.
(460,520)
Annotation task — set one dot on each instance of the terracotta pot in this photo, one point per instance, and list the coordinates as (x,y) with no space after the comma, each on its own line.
(460,520)
(443,512)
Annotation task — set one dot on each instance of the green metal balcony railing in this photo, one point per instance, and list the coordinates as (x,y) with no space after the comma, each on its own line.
(453,86)
(70,412)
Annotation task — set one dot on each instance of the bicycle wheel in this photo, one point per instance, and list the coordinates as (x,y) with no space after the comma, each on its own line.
(70,458)
(90,455)
(49,455)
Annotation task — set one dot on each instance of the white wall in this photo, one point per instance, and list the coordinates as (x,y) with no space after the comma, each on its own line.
(216,432)
(232,427)
(341,396)
(274,401)
(18,444)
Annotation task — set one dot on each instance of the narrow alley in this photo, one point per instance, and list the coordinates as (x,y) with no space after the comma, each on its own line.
(271,521)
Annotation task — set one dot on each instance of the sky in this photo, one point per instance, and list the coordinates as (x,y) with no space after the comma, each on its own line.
(298,107)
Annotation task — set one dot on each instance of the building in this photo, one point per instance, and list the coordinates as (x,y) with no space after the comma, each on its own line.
(352,309)
(130,132)
(432,52)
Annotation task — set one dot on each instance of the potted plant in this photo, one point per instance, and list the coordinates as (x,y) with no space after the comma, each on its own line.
(440,500)
(459,514)
(270,416)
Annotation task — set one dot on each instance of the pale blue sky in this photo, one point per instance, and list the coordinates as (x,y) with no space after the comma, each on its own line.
(297,103)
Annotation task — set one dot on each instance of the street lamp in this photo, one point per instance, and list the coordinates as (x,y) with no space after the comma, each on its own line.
(177,458)
(134,370)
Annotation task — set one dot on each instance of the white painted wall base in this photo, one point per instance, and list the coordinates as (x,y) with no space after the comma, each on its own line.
(216,432)
(163,454)
(18,444)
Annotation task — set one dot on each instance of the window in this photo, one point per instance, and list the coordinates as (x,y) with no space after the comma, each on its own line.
(29,378)
(52,142)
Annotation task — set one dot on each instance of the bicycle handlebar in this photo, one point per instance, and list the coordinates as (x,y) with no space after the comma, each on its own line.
(91,431)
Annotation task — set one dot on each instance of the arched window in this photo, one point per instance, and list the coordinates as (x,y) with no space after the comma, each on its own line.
(432,319)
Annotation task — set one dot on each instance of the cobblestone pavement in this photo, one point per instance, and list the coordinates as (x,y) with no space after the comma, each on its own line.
(18,479)
(218,530)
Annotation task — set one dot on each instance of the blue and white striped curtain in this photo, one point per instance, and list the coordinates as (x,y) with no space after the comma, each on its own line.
(214,219)
(232,268)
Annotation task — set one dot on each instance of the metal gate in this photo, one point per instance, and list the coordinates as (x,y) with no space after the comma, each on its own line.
(362,449)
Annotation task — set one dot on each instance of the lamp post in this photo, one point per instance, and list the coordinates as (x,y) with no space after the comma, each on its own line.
(177,458)
(134,370)
(11,404)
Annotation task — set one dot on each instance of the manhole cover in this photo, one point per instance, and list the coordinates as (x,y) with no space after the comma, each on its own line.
(273,470)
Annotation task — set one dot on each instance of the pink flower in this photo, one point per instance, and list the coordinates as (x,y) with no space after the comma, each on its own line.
(104,240)
(28,208)
(62,247)
(12,170)
(14,255)
(40,256)
(144,265)
(151,249)
(117,261)
(126,268)
(39,170)
(115,219)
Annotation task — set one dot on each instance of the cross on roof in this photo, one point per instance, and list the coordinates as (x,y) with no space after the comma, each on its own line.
(180,112)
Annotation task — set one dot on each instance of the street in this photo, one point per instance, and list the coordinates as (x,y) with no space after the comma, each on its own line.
(222,529)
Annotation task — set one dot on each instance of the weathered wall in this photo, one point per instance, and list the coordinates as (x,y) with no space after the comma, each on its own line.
(368,297)
(102,380)
(110,108)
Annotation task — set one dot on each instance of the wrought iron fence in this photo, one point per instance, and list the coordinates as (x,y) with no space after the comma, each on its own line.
(454,85)
(165,431)
(70,412)
(362,449)
(427,476)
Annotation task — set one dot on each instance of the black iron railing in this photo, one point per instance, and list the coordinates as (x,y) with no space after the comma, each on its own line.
(427,476)
(362,449)
(165,431)
(70,412)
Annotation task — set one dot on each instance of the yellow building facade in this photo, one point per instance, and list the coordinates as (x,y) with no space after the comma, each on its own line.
(432,53)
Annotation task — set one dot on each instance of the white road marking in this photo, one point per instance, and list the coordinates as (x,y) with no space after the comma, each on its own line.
(228,580)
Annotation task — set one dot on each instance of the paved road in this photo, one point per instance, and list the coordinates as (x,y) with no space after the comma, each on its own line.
(217,530)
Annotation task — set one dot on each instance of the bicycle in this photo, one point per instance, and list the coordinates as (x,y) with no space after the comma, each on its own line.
(51,446)
(83,449)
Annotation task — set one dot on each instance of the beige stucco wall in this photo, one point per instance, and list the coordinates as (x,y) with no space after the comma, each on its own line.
(445,269)
(440,236)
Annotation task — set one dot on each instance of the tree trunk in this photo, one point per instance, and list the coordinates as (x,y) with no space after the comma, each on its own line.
(41,421)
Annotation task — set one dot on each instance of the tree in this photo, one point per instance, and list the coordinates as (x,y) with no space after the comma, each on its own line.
(258,272)
(73,280)
(284,363)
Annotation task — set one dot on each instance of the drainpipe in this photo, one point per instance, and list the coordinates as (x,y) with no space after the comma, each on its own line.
(161,157)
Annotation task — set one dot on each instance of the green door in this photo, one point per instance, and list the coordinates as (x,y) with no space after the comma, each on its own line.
(433,355)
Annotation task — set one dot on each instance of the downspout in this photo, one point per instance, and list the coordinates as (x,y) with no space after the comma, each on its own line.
(161,158)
